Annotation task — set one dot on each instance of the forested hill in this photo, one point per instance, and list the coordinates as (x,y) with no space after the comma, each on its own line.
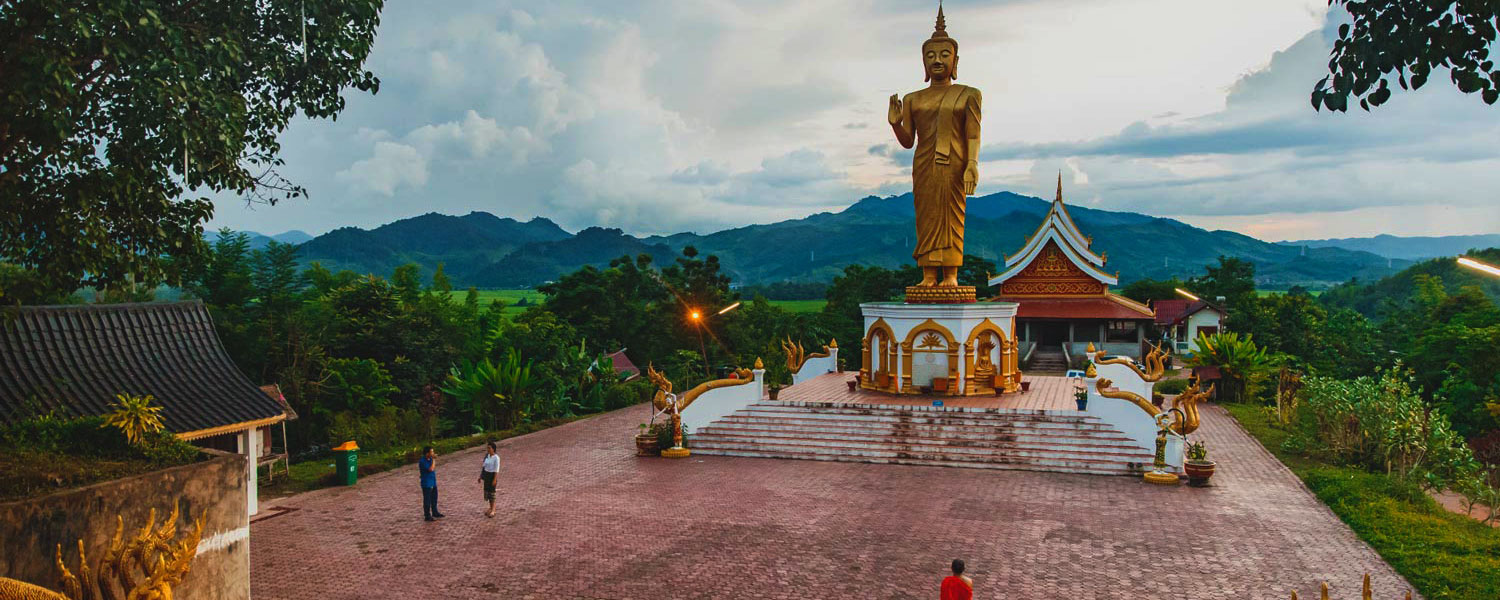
(486,251)
(1412,248)
(1370,297)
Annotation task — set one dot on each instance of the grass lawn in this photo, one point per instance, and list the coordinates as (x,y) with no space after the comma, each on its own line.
(318,473)
(1444,555)
(800,306)
(510,298)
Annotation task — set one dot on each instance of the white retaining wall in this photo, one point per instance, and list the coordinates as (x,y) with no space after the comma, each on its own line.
(718,403)
(814,367)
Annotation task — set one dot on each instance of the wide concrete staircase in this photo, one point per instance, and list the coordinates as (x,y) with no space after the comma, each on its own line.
(1047,362)
(1032,440)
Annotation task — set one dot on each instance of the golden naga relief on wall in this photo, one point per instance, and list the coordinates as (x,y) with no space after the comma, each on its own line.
(1185,405)
(144,567)
(1156,362)
(673,405)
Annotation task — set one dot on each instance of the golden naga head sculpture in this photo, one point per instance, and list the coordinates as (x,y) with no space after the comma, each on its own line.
(940,52)
(145,567)
(658,379)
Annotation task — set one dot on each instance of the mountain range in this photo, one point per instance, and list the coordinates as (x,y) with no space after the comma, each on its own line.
(482,250)
(1410,248)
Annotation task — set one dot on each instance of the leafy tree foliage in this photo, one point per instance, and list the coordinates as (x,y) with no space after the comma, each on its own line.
(1410,39)
(115,113)
(1146,290)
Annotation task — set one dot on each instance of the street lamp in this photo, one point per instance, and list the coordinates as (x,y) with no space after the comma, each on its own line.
(697,318)
(1185,294)
(1479,266)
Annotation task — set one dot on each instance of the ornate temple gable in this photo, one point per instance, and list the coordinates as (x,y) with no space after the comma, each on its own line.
(1059,238)
(1056,221)
(1052,273)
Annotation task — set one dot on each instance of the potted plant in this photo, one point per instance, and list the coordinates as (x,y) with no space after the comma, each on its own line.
(773,390)
(645,441)
(1199,468)
(1081,397)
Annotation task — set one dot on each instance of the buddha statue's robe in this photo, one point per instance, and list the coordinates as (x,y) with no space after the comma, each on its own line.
(943,119)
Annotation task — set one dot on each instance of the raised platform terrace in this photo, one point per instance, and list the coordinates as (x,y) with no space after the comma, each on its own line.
(1048,393)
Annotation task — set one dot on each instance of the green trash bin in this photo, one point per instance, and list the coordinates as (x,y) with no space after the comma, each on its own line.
(346,462)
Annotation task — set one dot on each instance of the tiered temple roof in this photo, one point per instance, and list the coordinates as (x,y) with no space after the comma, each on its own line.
(1056,275)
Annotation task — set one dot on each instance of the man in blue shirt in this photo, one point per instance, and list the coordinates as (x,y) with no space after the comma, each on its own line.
(428,468)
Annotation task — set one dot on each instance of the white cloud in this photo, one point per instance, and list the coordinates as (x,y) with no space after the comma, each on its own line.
(392,166)
(703,114)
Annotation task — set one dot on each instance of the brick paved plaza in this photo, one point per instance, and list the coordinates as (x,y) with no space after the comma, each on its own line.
(580,517)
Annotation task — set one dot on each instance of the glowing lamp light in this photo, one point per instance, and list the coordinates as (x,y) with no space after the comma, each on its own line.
(729,308)
(695,315)
(1479,266)
(1185,294)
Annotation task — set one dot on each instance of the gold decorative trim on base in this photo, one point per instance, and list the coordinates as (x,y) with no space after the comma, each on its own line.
(675,453)
(940,294)
(1151,477)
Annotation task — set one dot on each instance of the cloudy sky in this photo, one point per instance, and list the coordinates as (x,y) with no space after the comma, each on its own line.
(697,115)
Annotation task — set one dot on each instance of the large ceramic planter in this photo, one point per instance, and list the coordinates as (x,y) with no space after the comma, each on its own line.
(1199,471)
(773,391)
(645,444)
(1025,385)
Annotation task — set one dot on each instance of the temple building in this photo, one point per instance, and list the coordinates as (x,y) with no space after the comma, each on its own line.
(74,360)
(1063,294)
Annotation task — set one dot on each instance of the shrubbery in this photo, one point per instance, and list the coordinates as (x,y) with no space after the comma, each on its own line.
(1170,386)
(1382,424)
(51,452)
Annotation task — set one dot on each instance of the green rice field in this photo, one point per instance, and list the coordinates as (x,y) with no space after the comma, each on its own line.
(800,306)
(533,297)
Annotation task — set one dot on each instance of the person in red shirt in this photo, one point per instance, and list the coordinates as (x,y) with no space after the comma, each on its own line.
(956,586)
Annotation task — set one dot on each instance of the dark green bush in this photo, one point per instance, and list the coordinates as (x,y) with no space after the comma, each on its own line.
(1171,386)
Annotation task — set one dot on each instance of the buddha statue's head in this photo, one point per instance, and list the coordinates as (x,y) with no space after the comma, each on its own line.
(940,52)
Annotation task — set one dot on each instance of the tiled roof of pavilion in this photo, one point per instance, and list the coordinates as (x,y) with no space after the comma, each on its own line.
(1058,226)
(74,360)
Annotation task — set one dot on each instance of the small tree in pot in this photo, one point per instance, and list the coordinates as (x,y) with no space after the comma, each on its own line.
(1199,468)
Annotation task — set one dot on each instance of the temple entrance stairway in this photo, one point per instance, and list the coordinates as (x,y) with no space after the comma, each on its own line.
(1047,362)
(998,438)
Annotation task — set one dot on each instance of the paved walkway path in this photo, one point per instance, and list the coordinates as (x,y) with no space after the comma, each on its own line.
(580,517)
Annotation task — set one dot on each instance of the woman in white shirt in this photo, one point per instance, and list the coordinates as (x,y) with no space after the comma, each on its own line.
(487,477)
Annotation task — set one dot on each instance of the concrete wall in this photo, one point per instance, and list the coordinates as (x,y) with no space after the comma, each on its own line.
(31,529)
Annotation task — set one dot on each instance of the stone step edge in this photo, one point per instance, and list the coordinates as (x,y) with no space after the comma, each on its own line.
(1137,453)
(950,422)
(1115,469)
(827,404)
(1096,442)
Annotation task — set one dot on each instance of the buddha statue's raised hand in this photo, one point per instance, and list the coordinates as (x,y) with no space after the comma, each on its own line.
(893,116)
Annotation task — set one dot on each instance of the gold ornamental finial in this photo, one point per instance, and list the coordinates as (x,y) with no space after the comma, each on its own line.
(1059,186)
(1091,373)
(941,31)
(759,365)
(833,342)
(1090,349)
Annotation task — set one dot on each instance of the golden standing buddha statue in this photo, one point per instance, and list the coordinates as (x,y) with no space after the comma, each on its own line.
(943,121)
